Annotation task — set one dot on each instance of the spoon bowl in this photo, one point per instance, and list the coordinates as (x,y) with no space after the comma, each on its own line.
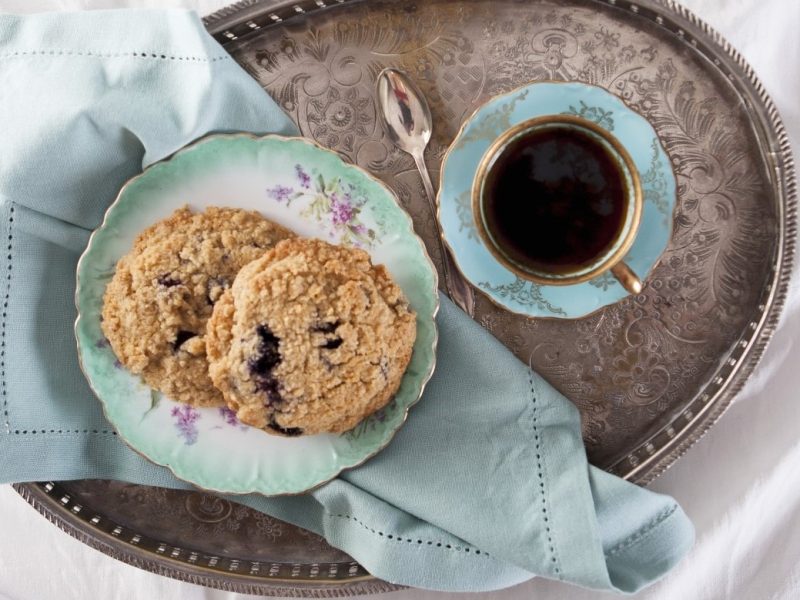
(405,114)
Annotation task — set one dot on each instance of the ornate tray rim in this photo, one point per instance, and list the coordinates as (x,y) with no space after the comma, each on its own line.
(643,464)
(61,512)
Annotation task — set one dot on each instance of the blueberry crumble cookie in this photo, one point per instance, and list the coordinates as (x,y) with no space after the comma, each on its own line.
(163,291)
(310,338)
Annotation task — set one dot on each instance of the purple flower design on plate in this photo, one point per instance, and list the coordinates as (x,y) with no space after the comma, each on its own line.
(185,419)
(102,343)
(341,210)
(230,419)
(229,416)
(333,200)
(303,177)
(280,193)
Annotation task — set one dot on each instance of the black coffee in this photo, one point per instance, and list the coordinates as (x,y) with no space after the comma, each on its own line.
(555,200)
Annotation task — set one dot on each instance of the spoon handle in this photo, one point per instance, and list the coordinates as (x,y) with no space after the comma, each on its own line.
(426,182)
(457,287)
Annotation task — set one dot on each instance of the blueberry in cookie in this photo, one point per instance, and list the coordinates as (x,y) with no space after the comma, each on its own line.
(310,338)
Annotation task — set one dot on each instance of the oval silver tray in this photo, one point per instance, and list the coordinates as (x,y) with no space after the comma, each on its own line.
(650,374)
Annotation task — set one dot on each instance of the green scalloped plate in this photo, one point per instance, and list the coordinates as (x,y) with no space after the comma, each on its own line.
(291,181)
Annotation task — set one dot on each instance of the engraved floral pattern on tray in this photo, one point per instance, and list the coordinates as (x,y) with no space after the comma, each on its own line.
(630,367)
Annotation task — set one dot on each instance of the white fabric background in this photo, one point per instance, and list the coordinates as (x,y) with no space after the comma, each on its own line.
(740,484)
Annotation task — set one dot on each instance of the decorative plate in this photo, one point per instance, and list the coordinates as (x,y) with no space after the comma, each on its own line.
(499,114)
(257,173)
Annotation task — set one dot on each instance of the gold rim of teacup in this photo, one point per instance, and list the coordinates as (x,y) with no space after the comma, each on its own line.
(625,241)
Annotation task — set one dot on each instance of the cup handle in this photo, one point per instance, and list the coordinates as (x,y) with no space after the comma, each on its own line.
(627,278)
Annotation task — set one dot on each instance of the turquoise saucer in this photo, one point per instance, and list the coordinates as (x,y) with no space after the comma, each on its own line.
(499,114)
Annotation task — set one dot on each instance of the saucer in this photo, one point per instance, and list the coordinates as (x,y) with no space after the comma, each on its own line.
(455,197)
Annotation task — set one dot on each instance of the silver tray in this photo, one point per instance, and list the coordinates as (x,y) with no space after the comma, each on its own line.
(650,374)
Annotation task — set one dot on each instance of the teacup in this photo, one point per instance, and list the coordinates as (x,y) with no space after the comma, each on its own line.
(558,201)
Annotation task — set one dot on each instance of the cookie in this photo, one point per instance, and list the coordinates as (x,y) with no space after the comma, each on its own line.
(163,291)
(310,338)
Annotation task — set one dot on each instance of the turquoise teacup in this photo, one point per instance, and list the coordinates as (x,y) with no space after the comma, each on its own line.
(558,201)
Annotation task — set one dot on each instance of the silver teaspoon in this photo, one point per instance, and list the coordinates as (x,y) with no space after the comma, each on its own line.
(407,121)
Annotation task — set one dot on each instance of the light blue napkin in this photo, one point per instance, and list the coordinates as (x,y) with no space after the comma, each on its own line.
(486,485)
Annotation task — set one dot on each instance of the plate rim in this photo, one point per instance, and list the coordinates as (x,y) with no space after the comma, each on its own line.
(211,137)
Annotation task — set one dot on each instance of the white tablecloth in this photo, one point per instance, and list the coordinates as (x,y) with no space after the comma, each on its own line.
(740,484)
